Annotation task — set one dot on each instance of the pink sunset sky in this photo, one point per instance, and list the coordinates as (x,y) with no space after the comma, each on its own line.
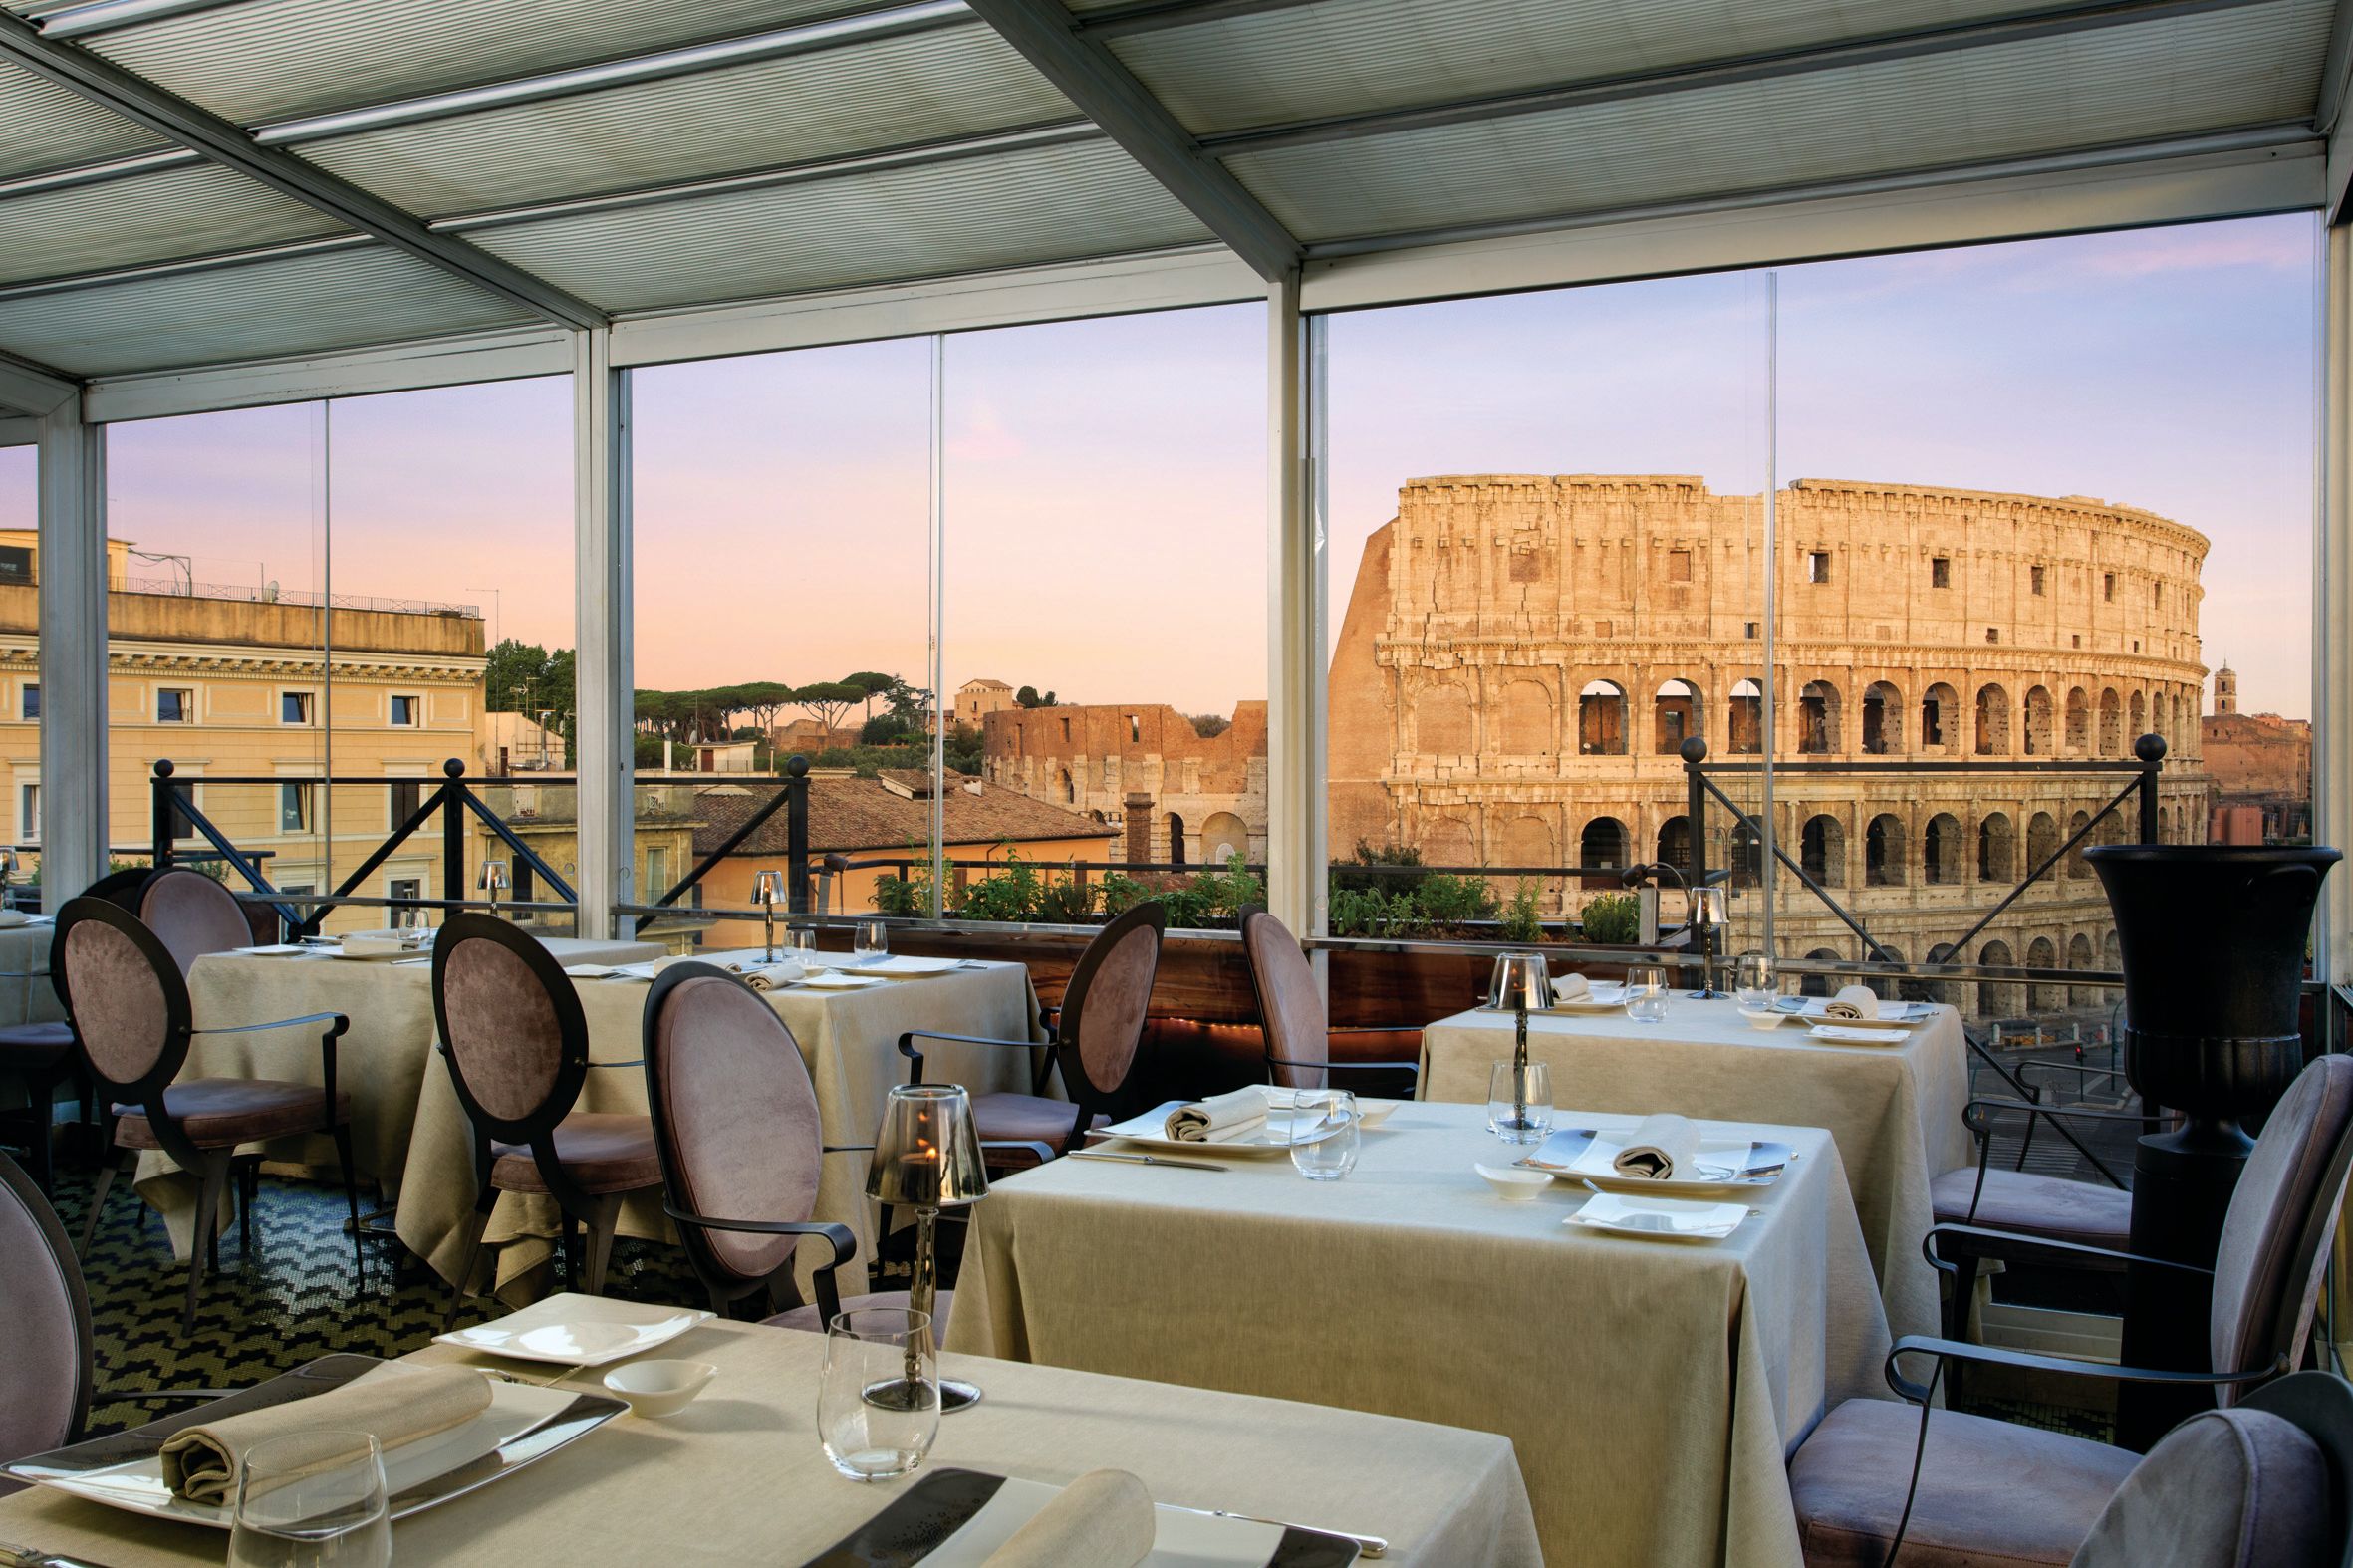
(1105,480)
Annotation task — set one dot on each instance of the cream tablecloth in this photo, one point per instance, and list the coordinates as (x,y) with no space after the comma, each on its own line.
(737,1477)
(1894,1109)
(1653,1388)
(24,951)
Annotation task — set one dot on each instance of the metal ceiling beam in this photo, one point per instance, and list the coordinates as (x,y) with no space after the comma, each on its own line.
(2336,71)
(99,173)
(77,282)
(1153,16)
(107,16)
(1107,93)
(109,85)
(33,388)
(1911,44)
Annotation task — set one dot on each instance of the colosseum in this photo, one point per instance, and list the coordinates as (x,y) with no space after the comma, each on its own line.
(1522,656)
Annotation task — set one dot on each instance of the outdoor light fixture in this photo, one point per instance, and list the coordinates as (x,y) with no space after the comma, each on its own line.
(1521,982)
(768,892)
(927,1157)
(493,882)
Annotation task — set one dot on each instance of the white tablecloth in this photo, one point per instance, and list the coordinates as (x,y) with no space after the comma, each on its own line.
(1895,1108)
(1653,1388)
(26,997)
(737,1477)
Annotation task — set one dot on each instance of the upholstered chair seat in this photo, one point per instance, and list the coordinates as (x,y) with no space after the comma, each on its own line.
(31,1047)
(2087,1213)
(812,1318)
(221,1112)
(1025,1119)
(1990,1493)
(600,1152)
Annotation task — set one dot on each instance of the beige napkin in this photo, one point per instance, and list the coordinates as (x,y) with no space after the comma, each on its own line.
(769,977)
(1660,1147)
(1194,1123)
(1104,1519)
(1852,1001)
(398,1402)
(1571,988)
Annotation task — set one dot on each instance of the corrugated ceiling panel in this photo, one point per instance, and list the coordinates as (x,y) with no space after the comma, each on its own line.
(195,211)
(277,59)
(1048,205)
(44,126)
(1351,56)
(300,305)
(924,87)
(2197,73)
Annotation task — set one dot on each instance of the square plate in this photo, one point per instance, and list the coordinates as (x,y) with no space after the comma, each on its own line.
(577,1331)
(1851,1033)
(836,980)
(523,1423)
(954,1518)
(1274,1136)
(1659,1219)
(1602,996)
(904,966)
(1583,1153)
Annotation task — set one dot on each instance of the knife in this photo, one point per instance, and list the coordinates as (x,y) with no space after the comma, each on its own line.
(1144,1160)
(33,1557)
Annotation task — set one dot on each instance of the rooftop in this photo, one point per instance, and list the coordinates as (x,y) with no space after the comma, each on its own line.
(850,813)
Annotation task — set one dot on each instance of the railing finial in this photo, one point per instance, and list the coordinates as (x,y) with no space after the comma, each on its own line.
(453,768)
(1694,749)
(797,765)
(2150,748)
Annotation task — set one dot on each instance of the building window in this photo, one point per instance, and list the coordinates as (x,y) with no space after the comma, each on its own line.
(175,708)
(1134,730)
(404,890)
(1817,566)
(1751,630)
(2078,642)
(2108,586)
(32,700)
(406,796)
(1066,731)
(294,707)
(1941,572)
(2155,596)
(294,808)
(657,870)
(2035,571)
(1679,565)
(408,712)
(28,813)
(1992,636)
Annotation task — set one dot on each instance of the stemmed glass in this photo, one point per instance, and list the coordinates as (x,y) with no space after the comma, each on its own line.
(312,1500)
(1645,993)
(1752,981)
(871,940)
(800,942)
(878,1407)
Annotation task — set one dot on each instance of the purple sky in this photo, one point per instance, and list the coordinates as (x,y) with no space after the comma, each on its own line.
(1105,479)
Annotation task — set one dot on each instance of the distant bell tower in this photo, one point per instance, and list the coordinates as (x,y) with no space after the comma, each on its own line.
(2225,690)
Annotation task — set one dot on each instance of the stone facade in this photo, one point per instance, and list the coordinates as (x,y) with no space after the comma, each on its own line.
(977,700)
(2259,761)
(1177,796)
(1521,657)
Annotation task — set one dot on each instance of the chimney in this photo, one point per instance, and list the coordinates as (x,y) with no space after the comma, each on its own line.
(1139,828)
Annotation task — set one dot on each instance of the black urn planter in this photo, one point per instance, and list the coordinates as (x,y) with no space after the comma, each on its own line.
(2213,939)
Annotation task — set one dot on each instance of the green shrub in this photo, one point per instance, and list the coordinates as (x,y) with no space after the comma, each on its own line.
(1368,911)
(903,896)
(1121,893)
(1611,918)
(1379,881)
(1523,917)
(1445,900)
(1065,903)
(1010,895)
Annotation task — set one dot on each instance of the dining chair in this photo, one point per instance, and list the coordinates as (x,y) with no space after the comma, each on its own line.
(193,914)
(517,1045)
(39,1055)
(1291,1015)
(1950,1488)
(1094,1043)
(45,1364)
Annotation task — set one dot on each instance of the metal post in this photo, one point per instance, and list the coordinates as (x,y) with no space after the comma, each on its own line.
(603,598)
(160,792)
(796,835)
(1695,753)
(2151,750)
(453,878)
(71,519)
(1296,854)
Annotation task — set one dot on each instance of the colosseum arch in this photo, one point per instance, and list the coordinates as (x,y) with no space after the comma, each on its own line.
(2111,953)
(1447,840)
(2079,956)
(1177,843)
(2079,719)
(1527,719)
(1747,856)
(1939,718)
(2043,953)
(1822,849)
(1937,990)
(1883,719)
(2077,866)
(2042,839)
(1604,842)
(1527,841)
(1441,720)
(2138,709)
(1993,720)
(1882,852)
(1819,984)
(1675,842)
(1069,791)
(2039,740)
(1817,718)
(1997,998)
(1744,733)
(1940,849)
(1224,834)
(1998,857)
(2111,724)
(1675,716)
(1601,719)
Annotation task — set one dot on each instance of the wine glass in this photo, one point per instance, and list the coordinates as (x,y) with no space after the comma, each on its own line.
(870,942)
(800,946)
(1645,993)
(1332,1114)
(312,1500)
(1752,981)
(878,1406)
(1519,1102)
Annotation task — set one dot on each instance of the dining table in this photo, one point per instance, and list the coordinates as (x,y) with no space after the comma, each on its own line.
(738,1476)
(26,995)
(1651,1387)
(1893,1105)
(411,1136)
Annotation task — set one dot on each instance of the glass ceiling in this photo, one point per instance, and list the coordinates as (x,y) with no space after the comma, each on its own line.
(187,182)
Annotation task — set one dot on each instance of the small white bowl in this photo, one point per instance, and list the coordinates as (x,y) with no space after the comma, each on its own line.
(660,1388)
(1764,1018)
(1513,1184)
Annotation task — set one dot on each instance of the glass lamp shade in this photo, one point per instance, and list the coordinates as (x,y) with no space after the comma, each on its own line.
(1520,983)
(768,887)
(493,875)
(1707,905)
(927,1152)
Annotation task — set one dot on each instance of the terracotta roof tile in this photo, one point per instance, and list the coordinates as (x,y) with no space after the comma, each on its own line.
(861,814)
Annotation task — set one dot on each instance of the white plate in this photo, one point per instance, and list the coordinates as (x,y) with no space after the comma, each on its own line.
(578,1331)
(904,968)
(273,951)
(1892,1015)
(1857,1034)
(835,980)
(1659,1219)
(1270,1136)
(1371,1113)
(1724,1161)
(1182,1538)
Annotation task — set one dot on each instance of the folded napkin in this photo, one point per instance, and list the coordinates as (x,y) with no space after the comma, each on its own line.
(1852,1001)
(358,946)
(1660,1147)
(768,977)
(398,1402)
(1192,1124)
(1103,1520)
(1571,988)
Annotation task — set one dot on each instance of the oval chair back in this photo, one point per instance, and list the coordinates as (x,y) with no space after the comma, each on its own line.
(192,915)
(513,1033)
(1105,1005)
(128,1003)
(1290,1008)
(120,887)
(735,1122)
(45,1359)
(2276,1232)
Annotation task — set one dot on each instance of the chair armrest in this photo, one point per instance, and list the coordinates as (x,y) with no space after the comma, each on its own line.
(1376,1028)
(25,974)
(640,1061)
(1982,1241)
(341,1022)
(1986,1355)
(845,1245)
(1042,1150)
(140,1396)
(916,1058)
(845,1148)
(1347,1067)
(1974,1107)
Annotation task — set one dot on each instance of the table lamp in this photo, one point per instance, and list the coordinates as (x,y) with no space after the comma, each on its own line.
(1521,982)
(927,1157)
(768,892)
(1708,913)
(493,882)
